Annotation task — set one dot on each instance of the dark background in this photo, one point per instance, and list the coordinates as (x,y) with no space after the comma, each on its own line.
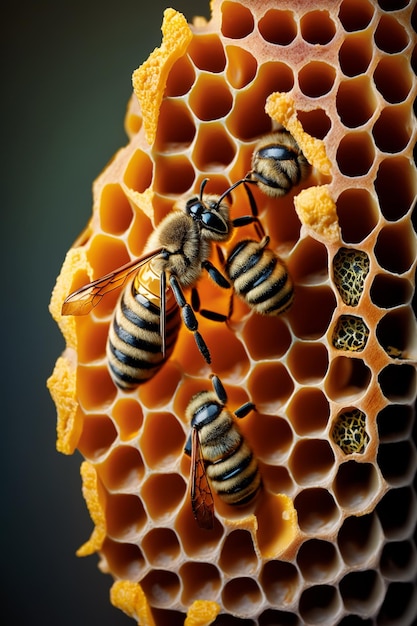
(65,82)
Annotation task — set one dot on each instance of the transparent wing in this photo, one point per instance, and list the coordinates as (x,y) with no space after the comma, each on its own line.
(81,301)
(201,497)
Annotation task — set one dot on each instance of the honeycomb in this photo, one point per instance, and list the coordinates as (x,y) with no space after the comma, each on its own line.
(329,540)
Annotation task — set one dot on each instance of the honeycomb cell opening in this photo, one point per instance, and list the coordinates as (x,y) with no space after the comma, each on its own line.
(315,122)
(308,411)
(356,486)
(97,436)
(281,582)
(238,554)
(350,269)
(308,361)
(237,20)
(399,560)
(128,416)
(242,596)
(210,98)
(126,517)
(241,67)
(278,27)
(271,437)
(318,561)
(390,35)
(175,175)
(395,422)
(92,339)
(362,592)
(358,214)
(270,386)
(180,79)
(355,101)
(350,333)
(320,604)
(309,262)
(397,333)
(161,588)
(397,513)
(319,299)
(122,470)
(266,337)
(360,540)
(199,580)
(207,53)
(116,213)
(158,392)
(355,54)
(176,128)
(355,154)
(355,14)
(317,511)
(317,27)
(390,291)
(316,79)
(162,440)
(214,150)
(312,462)
(393,129)
(392,78)
(137,176)
(161,547)
(124,560)
(163,493)
(397,462)
(349,431)
(398,382)
(396,187)
(348,379)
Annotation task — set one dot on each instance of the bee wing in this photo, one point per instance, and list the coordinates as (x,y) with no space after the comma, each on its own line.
(201,497)
(81,301)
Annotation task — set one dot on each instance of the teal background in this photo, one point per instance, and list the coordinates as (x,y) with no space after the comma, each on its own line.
(65,82)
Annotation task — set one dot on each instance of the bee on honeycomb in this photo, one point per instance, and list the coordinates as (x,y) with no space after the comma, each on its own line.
(330,540)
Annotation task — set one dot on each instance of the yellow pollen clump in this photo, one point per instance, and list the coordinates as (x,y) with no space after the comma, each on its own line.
(328,538)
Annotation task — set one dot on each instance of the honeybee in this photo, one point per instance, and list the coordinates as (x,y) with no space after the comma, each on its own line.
(220,456)
(278,165)
(146,320)
(260,277)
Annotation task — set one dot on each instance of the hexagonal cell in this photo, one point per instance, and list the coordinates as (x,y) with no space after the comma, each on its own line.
(399,560)
(242,596)
(311,462)
(158,392)
(390,291)
(199,580)
(360,540)
(320,604)
(92,339)
(397,462)
(321,301)
(350,268)
(278,27)
(162,494)
(241,67)
(161,588)
(362,592)
(308,361)
(139,233)
(94,387)
(123,559)
(269,386)
(317,511)
(115,211)
(316,78)
(350,333)
(210,98)
(207,53)
(122,470)
(97,436)
(397,333)
(358,214)
(128,415)
(319,561)
(176,127)
(315,122)
(390,35)
(317,27)
(348,379)
(399,606)
(214,149)
(196,542)
(139,171)
(266,337)
(399,238)
(392,78)
(161,547)
(355,101)
(395,422)
(308,411)
(355,154)
(356,14)
(238,554)
(349,431)
(125,517)
(237,20)
(249,119)
(174,175)
(162,440)
(180,78)
(392,131)
(309,262)
(271,437)
(398,382)
(395,186)
(281,582)
(106,254)
(397,513)
(355,54)
(277,479)
(356,486)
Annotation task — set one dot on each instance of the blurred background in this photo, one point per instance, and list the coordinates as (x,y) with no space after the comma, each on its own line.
(66,80)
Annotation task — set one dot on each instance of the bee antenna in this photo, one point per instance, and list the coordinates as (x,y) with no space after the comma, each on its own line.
(202,186)
(226,193)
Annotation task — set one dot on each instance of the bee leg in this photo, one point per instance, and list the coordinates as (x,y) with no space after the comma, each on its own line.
(189,317)
(219,389)
(250,219)
(245,409)
(215,275)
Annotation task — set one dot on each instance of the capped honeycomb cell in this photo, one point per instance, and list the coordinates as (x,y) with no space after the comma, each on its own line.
(324,394)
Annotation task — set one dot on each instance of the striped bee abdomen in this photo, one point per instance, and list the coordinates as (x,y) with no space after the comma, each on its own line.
(134,346)
(260,277)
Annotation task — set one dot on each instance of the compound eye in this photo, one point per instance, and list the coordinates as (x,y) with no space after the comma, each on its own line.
(194,207)
(278,153)
(214,223)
